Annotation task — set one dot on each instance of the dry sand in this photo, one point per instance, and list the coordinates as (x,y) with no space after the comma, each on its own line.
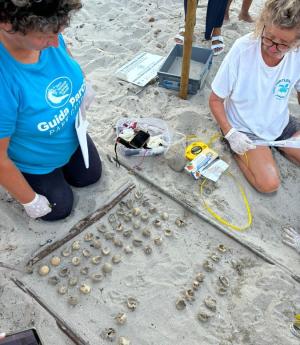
(262,297)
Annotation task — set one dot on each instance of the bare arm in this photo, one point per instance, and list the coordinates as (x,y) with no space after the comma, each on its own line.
(217,108)
(11,178)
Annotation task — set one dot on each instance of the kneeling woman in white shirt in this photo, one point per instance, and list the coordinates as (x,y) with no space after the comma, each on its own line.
(251,90)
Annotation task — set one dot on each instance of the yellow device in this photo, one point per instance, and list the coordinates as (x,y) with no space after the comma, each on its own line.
(194,149)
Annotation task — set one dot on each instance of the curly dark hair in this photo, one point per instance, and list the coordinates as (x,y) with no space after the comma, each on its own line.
(38,15)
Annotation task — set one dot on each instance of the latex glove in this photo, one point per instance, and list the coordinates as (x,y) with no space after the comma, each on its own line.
(239,142)
(291,237)
(38,207)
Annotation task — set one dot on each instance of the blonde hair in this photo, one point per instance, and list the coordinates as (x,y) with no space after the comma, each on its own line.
(284,14)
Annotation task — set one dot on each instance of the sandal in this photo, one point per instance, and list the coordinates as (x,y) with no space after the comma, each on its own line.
(218,48)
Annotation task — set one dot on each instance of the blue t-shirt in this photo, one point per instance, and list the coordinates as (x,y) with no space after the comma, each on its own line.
(38,106)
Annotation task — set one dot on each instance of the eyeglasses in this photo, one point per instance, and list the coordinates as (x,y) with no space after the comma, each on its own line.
(269,43)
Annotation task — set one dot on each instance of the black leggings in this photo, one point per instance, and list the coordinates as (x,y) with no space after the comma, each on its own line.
(214,15)
(55,186)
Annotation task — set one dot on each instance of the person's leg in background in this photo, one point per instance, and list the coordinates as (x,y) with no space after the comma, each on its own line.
(214,21)
(244,13)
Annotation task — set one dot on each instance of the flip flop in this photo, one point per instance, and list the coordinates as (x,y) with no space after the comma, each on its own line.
(219,46)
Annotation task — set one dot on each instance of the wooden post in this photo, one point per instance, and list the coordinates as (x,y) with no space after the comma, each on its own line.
(190,21)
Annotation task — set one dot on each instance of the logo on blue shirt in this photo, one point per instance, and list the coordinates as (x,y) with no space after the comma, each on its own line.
(281,88)
(58,92)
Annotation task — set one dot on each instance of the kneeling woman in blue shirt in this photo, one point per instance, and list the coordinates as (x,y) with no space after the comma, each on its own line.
(41,90)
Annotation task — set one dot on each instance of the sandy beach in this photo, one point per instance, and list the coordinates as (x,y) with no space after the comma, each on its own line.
(259,296)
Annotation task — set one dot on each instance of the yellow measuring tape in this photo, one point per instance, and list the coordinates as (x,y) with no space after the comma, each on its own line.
(222,220)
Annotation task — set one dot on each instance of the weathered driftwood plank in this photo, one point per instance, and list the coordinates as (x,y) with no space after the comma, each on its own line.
(81,225)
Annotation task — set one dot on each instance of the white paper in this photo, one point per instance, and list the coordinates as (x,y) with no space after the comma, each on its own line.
(215,170)
(81,125)
(141,69)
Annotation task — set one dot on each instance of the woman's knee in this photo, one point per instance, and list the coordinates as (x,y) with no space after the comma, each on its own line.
(62,204)
(93,175)
(268,184)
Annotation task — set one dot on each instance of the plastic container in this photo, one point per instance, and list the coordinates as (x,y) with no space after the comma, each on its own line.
(170,72)
(154,127)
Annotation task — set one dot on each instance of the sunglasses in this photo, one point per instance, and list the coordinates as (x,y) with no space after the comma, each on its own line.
(282,48)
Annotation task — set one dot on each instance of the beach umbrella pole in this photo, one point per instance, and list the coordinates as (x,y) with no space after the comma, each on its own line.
(190,21)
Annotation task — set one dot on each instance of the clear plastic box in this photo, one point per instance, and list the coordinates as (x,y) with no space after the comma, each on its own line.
(154,127)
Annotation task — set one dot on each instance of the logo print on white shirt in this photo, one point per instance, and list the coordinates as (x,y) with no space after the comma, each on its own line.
(58,92)
(282,88)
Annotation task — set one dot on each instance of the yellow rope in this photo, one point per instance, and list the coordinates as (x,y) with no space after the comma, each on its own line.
(222,220)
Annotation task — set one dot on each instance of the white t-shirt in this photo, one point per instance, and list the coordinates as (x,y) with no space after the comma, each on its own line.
(256,95)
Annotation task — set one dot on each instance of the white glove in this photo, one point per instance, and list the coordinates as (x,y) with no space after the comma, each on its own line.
(239,142)
(291,237)
(38,207)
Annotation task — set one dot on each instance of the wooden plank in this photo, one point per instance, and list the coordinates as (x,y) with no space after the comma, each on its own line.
(81,225)
(187,47)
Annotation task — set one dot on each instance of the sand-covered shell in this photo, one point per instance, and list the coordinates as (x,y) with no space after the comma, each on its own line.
(89,236)
(221,290)
(66,252)
(96,259)
(75,261)
(196,285)
(127,233)
(152,209)
(180,222)
(157,223)
(158,241)
(123,341)
(105,251)
(44,270)
(116,259)
(164,215)
(200,277)
(214,257)
(208,266)
(119,227)
(73,300)
(85,270)
(86,253)
(102,228)
(136,211)
(97,277)
(55,261)
(137,242)
(109,334)
(144,217)
(148,250)
(180,303)
(96,244)
(121,318)
(138,194)
(54,280)
(64,272)
(146,233)
(107,267)
(112,219)
(127,217)
(85,288)
(118,243)
(168,232)
(203,316)
(132,303)
(223,281)
(136,224)
(72,281)
(210,303)
(109,236)
(189,295)
(221,248)
(128,250)
(62,289)
(75,245)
